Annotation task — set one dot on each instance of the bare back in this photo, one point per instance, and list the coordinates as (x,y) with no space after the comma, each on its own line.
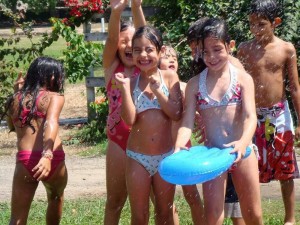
(49,106)
(268,67)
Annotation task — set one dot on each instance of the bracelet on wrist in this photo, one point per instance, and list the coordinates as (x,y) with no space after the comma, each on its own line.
(48,154)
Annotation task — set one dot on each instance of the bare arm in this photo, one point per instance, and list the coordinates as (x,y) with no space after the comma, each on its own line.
(112,41)
(52,121)
(128,113)
(187,124)
(294,84)
(50,134)
(172,104)
(137,13)
(249,116)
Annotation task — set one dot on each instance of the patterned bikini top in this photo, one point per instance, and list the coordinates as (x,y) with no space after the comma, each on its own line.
(25,112)
(233,95)
(142,102)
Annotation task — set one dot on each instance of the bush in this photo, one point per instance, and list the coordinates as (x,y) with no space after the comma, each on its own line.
(176,17)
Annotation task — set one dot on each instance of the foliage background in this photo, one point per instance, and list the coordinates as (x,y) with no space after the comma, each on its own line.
(173,19)
(178,15)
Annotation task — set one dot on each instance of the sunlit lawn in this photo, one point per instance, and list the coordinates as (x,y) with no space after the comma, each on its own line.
(90,211)
(55,50)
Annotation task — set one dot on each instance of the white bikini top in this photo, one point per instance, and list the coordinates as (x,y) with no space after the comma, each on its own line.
(142,102)
(233,95)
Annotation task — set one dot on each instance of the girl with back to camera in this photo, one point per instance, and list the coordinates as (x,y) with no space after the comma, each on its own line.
(150,102)
(224,96)
(34,111)
(117,57)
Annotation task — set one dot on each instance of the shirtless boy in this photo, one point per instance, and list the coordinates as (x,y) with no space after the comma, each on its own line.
(271,61)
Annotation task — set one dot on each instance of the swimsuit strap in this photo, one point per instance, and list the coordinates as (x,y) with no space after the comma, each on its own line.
(25,112)
(142,102)
(231,96)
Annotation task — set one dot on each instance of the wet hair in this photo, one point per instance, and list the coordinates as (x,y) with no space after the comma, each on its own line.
(125,25)
(168,49)
(151,33)
(216,28)
(265,8)
(194,29)
(43,72)
(212,27)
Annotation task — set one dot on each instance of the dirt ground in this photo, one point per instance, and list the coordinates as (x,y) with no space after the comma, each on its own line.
(86,174)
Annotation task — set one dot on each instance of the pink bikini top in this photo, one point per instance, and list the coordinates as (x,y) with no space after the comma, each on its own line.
(114,98)
(233,95)
(25,112)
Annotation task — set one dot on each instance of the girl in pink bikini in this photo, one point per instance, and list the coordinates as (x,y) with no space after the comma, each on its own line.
(34,111)
(117,57)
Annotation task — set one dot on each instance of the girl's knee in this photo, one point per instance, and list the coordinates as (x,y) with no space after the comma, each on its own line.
(18,220)
(253,216)
(192,199)
(164,214)
(140,218)
(56,195)
(115,202)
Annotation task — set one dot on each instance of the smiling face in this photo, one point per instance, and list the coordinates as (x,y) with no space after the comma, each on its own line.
(215,53)
(125,47)
(169,60)
(261,28)
(145,54)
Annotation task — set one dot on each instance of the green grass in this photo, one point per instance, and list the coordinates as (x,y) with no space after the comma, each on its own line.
(90,211)
(55,50)
(95,150)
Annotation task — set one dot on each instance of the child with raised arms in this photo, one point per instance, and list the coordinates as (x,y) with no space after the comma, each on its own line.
(117,57)
(272,63)
(224,97)
(34,111)
(151,101)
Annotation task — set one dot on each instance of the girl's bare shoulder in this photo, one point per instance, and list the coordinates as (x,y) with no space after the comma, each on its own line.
(50,96)
(193,84)
(243,77)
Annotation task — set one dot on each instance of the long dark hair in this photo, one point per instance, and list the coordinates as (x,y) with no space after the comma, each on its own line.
(151,33)
(213,27)
(44,72)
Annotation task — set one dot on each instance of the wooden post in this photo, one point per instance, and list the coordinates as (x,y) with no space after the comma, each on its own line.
(91,81)
(90,91)
(103,28)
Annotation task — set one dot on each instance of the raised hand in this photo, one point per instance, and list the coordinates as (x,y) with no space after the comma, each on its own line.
(154,83)
(122,79)
(118,5)
(19,82)
(136,3)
